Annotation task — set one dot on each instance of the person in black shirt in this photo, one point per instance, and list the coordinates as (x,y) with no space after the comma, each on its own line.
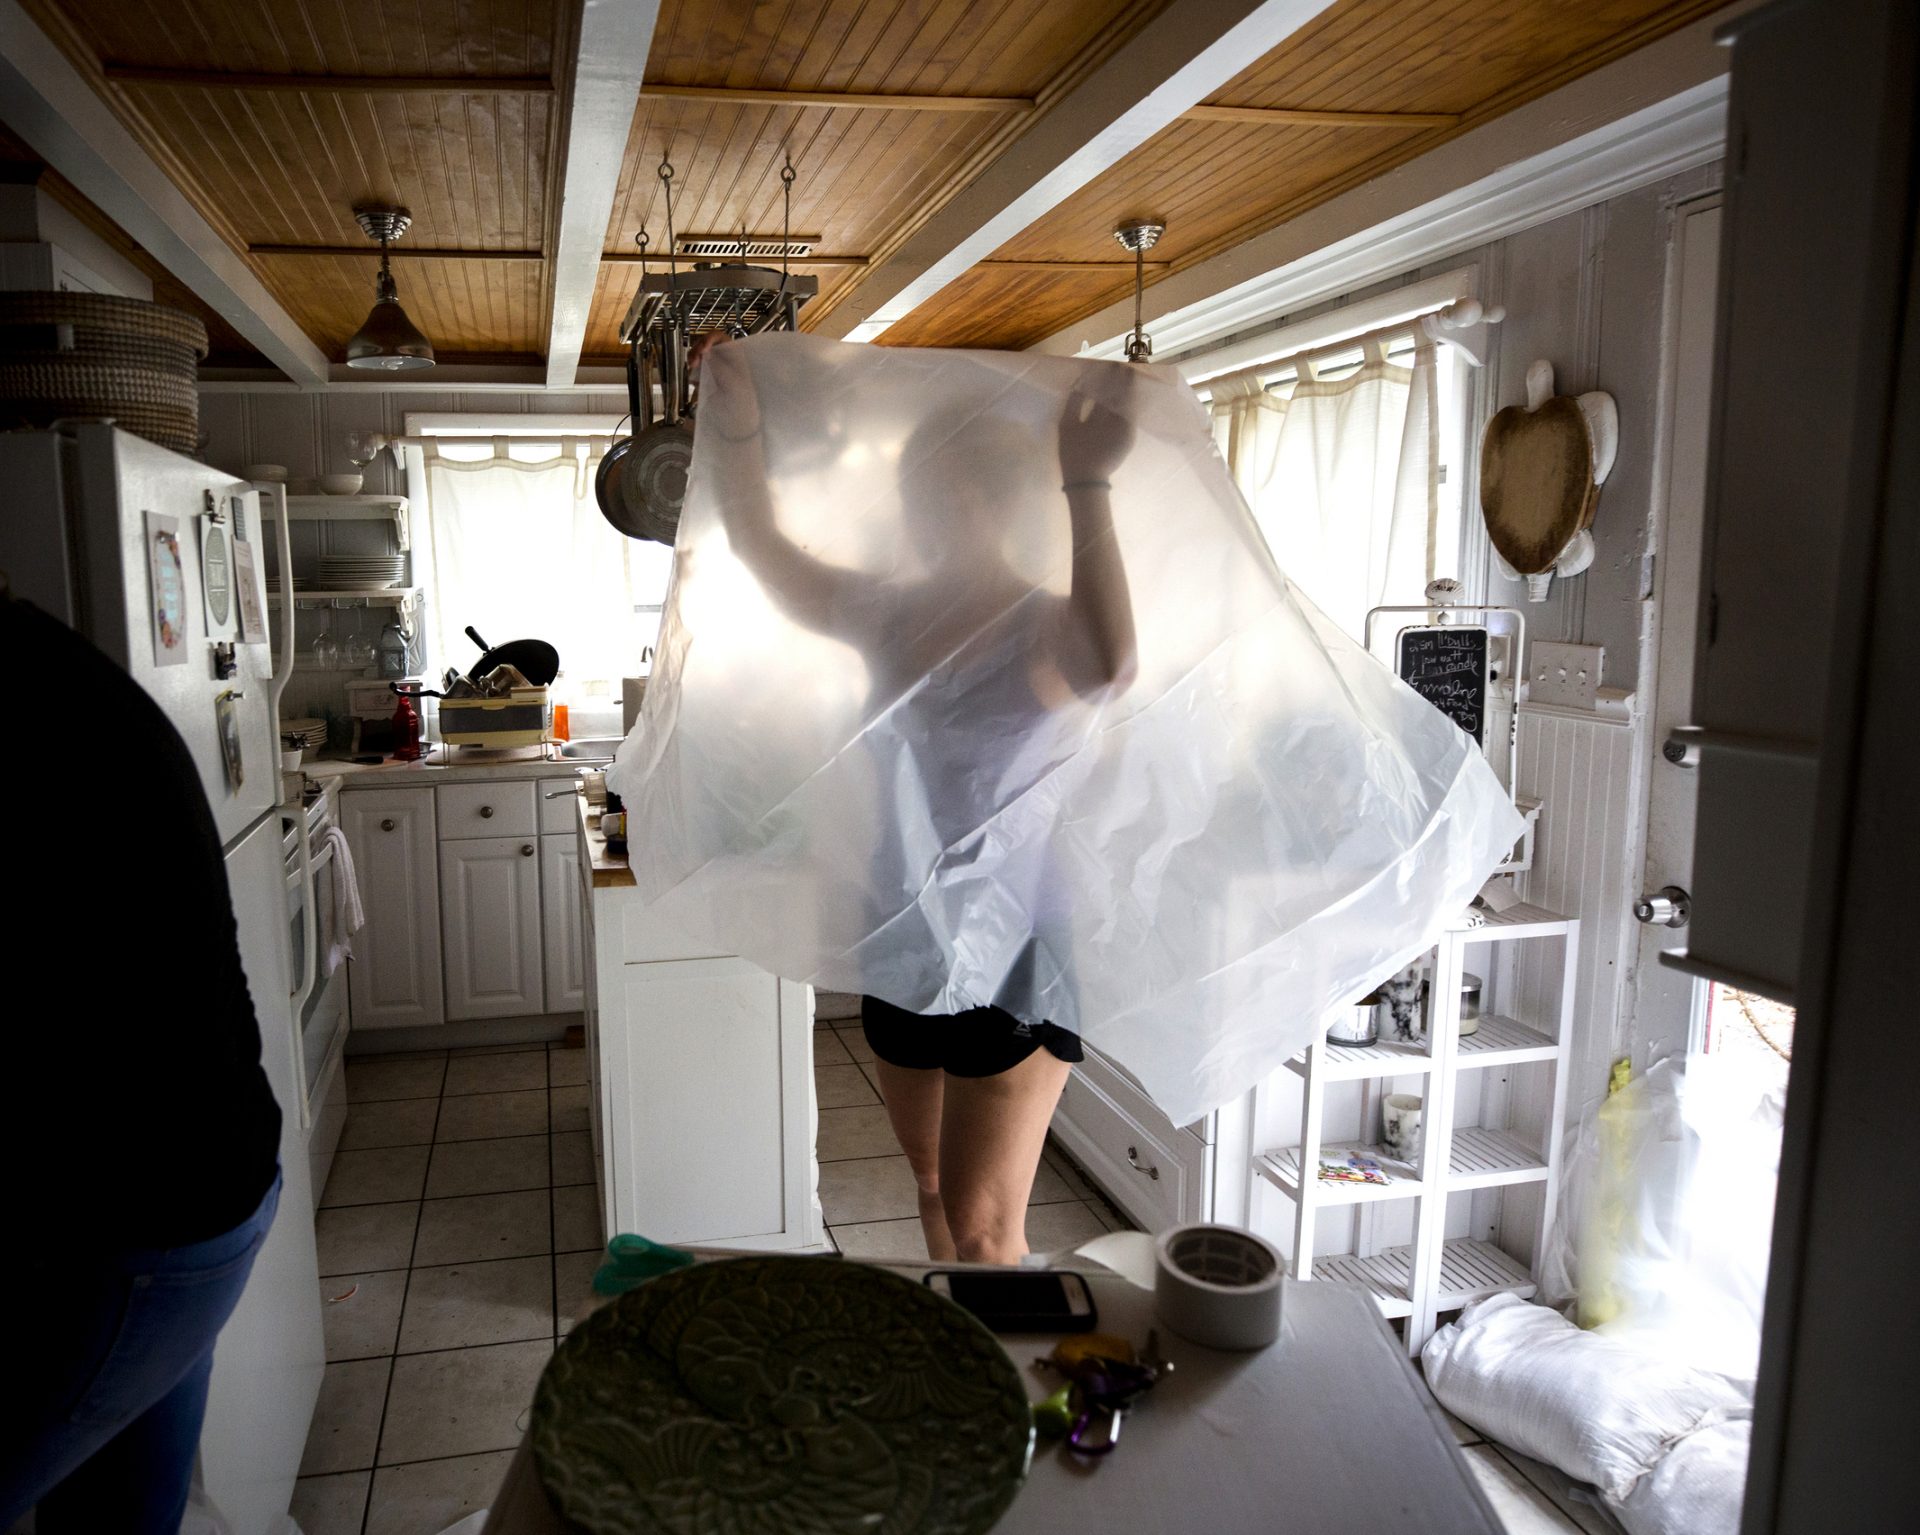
(141,1144)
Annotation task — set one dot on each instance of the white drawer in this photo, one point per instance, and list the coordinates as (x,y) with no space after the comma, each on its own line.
(1119,1085)
(487,810)
(558,796)
(1153,1170)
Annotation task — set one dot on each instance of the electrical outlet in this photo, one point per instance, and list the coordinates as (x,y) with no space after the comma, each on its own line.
(1567,675)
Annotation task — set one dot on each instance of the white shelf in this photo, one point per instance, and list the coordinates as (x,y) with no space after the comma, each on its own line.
(1505,1042)
(353,509)
(1469,1271)
(372,597)
(1282,1169)
(1486,1159)
(1353,1063)
(1521,921)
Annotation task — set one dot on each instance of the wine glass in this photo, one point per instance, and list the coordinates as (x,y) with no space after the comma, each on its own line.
(326,649)
(363,447)
(357,653)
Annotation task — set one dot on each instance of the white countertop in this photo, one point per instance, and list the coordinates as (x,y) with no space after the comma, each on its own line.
(464,765)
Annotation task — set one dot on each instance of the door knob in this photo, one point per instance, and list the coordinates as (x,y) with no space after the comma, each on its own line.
(527,851)
(387,825)
(486,812)
(1669,906)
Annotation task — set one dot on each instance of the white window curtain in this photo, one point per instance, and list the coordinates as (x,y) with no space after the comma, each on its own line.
(1343,476)
(520,551)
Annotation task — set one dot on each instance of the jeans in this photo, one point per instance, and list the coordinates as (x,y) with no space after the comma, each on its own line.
(102,1416)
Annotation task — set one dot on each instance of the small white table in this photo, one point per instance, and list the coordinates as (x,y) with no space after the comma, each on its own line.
(1327,1431)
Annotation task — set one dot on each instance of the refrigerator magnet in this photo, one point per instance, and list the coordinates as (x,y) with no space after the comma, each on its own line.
(246,591)
(167,577)
(216,576)
(226,717)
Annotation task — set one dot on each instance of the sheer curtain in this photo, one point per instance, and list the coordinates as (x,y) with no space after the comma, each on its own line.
(520,551)
(1343,477)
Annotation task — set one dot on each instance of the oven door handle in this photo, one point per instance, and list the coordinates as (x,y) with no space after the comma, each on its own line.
(309,963)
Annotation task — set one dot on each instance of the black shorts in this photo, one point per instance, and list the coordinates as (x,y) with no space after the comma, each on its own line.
(981,1042)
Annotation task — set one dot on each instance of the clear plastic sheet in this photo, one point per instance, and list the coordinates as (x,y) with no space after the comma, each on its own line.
(1666,1214)
(913,732)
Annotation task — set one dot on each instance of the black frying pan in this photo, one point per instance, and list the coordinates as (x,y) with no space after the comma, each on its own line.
(535,660)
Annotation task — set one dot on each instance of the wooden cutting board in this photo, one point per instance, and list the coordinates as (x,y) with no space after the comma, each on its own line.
(1536,481)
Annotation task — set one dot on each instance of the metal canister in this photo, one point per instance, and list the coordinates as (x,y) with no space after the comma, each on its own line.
(1354,1025)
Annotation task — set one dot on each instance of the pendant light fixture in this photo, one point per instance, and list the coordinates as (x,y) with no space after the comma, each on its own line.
(1139,236)
(389,341)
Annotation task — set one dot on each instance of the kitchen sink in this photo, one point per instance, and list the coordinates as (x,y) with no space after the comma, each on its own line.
(592,749)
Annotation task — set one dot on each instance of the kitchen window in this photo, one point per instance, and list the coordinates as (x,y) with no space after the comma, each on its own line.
(518,549)
(1347,448)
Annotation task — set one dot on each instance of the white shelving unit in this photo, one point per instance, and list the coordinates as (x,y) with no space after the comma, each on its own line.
(354,509)
(1432,1274)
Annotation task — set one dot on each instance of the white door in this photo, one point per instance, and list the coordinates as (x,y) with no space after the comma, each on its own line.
(394,976)
(560,915)
(1669,1006)
(490,906)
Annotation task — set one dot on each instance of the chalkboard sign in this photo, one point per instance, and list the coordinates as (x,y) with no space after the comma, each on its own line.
(1447,666)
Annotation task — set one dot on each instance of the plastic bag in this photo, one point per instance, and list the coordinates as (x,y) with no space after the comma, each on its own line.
(1666,1216)
(896,741)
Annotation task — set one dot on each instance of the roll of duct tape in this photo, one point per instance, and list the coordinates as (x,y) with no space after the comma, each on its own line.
(1218,1286)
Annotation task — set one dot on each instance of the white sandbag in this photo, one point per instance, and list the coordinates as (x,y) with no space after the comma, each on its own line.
(891,746)
(1602,1411)
(1697,1488)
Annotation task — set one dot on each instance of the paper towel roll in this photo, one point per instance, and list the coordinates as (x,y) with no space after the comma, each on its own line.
(1218,1285)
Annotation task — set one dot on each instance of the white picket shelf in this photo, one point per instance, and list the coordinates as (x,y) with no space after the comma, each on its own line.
(391,509)
(1434,1274)
(1282,1169)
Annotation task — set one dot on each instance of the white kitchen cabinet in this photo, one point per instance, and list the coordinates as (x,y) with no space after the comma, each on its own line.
(394,978)
(490,916)
(702,1064)
(560,921)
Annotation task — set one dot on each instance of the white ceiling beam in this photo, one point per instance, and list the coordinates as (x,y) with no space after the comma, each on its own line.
(615,36)
(1653,113)
(48,103)
(1174,62)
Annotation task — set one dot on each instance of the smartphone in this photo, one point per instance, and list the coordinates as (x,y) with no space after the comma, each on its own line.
(1020,1300)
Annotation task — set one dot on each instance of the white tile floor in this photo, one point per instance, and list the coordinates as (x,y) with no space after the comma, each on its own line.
(458,1234)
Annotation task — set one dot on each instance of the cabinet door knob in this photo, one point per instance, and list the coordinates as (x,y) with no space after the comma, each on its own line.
(527,851)
(486,812)
(387,825)
(1133,1160)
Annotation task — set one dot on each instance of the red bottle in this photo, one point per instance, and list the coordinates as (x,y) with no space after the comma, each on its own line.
(406,730)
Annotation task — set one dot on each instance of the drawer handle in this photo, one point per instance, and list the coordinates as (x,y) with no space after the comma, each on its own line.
(527,851)
(387,825)
(1133,1161)
(486,812)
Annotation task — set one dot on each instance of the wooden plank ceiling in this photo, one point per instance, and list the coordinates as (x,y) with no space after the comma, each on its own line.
(863,178)
(454,109)
(1216,184)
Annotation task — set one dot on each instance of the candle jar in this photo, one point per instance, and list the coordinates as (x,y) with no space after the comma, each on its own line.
(1354,1025)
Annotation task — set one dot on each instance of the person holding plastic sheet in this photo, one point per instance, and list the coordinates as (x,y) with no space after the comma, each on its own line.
(969,1095)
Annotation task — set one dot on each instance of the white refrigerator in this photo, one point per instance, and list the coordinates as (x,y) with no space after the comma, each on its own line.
(158,560)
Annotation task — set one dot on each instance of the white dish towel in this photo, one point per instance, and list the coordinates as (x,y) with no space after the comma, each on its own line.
(349,916)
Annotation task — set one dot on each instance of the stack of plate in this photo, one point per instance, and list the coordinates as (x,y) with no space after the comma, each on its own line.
(300,583)
(312,732)
(361,572)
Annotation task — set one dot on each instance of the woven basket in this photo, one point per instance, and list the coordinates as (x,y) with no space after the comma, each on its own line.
(129,360)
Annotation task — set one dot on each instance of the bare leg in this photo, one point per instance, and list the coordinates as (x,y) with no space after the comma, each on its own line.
(991,1132)
(913,1100)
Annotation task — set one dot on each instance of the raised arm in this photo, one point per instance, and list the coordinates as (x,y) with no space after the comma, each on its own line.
(1094,648)
(809,591)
